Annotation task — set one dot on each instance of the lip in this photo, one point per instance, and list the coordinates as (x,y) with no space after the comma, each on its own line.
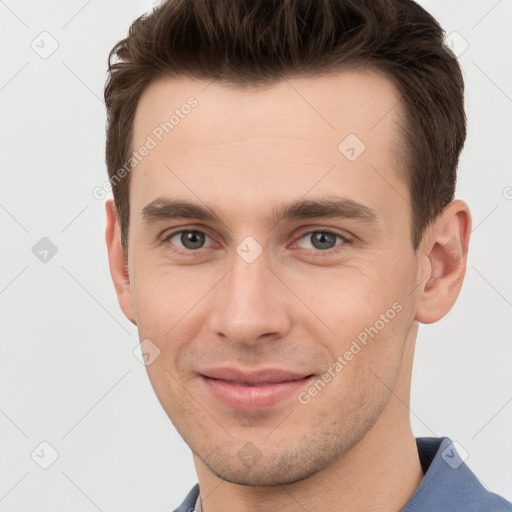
(252,390)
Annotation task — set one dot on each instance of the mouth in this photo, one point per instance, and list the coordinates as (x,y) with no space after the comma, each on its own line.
(253,390)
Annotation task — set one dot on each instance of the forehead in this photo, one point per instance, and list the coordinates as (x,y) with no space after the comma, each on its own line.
(248,144)
(347,101)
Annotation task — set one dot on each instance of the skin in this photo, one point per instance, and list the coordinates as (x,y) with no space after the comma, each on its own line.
(242,152)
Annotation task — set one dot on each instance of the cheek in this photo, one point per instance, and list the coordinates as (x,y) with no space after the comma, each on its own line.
(350,298)
(361,319)
(172,394)
(364,371)
(162,325)
(164,297)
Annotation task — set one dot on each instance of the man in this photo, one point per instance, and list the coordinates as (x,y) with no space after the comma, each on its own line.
(283,219)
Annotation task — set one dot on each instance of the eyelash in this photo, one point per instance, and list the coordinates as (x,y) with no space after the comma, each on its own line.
(315,252)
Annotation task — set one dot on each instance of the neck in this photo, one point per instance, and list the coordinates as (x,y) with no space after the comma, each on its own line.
(380,473)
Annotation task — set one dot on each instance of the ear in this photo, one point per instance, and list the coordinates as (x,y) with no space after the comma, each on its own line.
(444,255)
(117,261)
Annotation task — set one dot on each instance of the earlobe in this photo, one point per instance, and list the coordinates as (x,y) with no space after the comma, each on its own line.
(444,248)
(117,261)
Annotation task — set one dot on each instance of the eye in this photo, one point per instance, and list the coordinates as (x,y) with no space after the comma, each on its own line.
(321,240)
(189,239)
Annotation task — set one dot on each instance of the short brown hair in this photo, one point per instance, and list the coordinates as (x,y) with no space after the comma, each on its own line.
(261,41)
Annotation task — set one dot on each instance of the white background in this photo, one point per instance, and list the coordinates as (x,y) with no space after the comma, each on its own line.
(68,373)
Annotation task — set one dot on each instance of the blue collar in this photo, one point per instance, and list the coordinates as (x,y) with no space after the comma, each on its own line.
(449,484)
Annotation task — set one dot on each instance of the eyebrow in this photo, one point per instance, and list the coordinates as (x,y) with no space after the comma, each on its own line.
(162,209)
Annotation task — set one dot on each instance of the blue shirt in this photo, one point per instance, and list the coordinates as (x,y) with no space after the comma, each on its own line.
(448,485)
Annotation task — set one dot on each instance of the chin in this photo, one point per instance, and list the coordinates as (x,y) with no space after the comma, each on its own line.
(263,477)
(287,469)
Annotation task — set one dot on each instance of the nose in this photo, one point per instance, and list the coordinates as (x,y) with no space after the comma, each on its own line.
(251,304)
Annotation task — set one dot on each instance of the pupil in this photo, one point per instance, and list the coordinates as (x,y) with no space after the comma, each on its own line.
(192,239)
(320,239)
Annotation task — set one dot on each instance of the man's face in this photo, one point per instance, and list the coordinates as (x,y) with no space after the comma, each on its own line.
(251,310)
